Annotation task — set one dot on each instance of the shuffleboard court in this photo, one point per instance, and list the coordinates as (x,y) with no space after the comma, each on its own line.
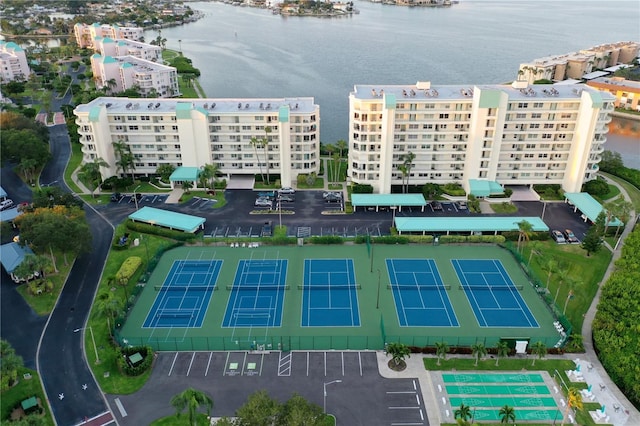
(492,378)
(521,415)
(494,298)
(420,296)
(330,297)
(257,294)
(498,389)
(501,401)
(183,298)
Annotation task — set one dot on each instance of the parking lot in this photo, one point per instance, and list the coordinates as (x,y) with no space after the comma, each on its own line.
(355,392)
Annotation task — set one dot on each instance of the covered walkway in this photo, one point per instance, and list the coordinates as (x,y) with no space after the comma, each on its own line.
(589,207)
(429,225)
(387,200)
(168,219)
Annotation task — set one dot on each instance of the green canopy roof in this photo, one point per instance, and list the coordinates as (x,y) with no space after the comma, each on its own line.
(466,224)
(589,206)
(484,188)
(183,173)
(364,200)
(168,219)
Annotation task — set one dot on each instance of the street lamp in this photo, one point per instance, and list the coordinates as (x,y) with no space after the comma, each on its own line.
(135,199)
(324,401)
(95,348)
(393,217)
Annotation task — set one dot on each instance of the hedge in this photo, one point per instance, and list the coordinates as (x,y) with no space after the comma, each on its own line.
(128,268)
(327,239)
(535,236)
(144,365)
(161,232)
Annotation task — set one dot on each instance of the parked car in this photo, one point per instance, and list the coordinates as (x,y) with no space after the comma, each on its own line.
(6,204)
(337,194)
(286,198)
(332,198)
(267,194)
(263,202)
(116,196)
(462,205)
(558,237)
(286,190)
(570,237)
(436,205)
(267,229)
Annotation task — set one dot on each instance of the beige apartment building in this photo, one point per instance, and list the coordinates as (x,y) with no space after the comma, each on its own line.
(107,46)
(86,34)
(120,73)
(515,134)
(195,132)
(627,92)
(13,62)
(576,64)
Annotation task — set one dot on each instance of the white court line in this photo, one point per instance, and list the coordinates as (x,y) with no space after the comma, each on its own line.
(173,363)
(208,364)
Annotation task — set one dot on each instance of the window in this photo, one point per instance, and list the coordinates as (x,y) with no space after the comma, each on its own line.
(131,118)
(536,115)
(538,104)
(144,118)
(523,105)
(133,127)
(443,116)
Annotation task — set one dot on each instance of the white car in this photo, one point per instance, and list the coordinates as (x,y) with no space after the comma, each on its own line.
(263,202)
(286,190)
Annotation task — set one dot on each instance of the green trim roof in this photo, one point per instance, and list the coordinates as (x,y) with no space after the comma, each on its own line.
(183,173)
(109,60)
(589,206)
(390,101)
(183,110)
(484,188)
(466,224)
(168,219)
(94,114)
(283,114)
(363,200)
(489,98)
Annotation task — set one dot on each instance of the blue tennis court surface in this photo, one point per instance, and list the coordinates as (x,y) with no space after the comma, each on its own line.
(329,297)
(257,294)
(183,299)
(494,298)
(420,296)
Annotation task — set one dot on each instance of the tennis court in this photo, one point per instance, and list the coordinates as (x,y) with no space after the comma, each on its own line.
(486,393)
(257,294)
(183,298)
(323,297)
(329,296)
(495,299)
(419,294)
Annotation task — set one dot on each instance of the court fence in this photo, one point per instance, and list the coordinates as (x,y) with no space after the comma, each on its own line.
(543,293)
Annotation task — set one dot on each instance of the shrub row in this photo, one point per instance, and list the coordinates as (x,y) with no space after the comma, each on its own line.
(141,367)
(452,239)
(128,268)
(535,236)
(327,239)
(466,350)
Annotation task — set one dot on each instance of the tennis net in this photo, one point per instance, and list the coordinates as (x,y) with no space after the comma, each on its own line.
(329,287)
(418,287)
(255,288)
(184,288)
(492,287)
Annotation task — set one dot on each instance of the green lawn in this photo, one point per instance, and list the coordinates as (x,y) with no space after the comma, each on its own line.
(219,197)
(74,163)
(26,388)
(586,271)
(318,184)
(116,382)
(504,208)
(342,172)
(634,193)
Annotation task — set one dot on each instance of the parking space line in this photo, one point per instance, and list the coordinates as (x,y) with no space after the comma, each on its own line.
(417,400)
(325,364)
(173,363)
(191,363)
(398,392)
(360,362)
(226,363)
(208,364)
(406,424)
(244,363)
(307,364)
(261,364)
(284,365)
(342,353)
(404,408)
(415,388)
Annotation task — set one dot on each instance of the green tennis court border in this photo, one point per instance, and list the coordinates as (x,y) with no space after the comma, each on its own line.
(378,316)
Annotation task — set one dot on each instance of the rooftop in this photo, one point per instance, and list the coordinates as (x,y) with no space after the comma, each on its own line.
(168,219)
(466,224)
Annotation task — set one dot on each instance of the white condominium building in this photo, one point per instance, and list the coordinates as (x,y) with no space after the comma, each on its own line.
(13,62)
(195,132)
(107,46)
(86,34)
(513,134)
(576,64)
(127,72)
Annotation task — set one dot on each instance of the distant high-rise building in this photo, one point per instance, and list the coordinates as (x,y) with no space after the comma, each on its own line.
(13,62)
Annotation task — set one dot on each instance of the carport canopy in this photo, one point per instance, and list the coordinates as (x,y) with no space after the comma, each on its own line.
(589,206)
(12,255)
(387,200)
(466,224)
(168,219)
(185,174)
(484,188)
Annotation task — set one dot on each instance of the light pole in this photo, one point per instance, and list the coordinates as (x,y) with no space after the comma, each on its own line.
(95,348)
(393,217)
(135,199)
(324,401)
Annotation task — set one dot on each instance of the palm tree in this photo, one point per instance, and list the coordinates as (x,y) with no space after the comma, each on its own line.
(441,350)
(403,170)
(539,349)
(507,414)
(30,264)
(397,351)
(564,275)
(109,306)
(341,145)
(257,143)
(265,144)
(191,399)
(336,167)
(574,400)
(90,173)
(187,185)
(478,351)
(525,230)
(621,209)
(550,267)
(464,412)
(502,350)
(408,161)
